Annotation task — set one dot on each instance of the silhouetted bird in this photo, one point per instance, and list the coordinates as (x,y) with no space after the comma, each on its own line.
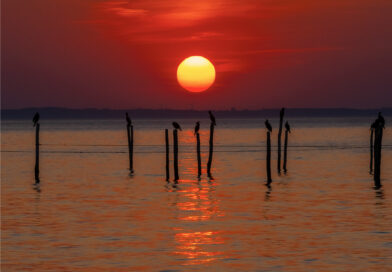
(212,118)
(282,112)
(35,119)
(287,126)
(197,127)
(380,120)
(268,125)
(176,126)
(129,122)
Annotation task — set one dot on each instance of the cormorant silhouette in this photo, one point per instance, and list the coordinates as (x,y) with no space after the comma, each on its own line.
(268,125)
(374,125)
(212,118)
(287,126)
(197,127)
(176,126)
(282,112)
(380,121)
(35,119)
(129,121)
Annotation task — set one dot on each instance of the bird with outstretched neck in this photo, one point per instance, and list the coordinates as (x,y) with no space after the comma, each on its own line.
(35,119)
(129,121)
(212,118)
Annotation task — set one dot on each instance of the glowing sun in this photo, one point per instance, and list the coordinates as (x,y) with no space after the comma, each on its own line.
(196,74)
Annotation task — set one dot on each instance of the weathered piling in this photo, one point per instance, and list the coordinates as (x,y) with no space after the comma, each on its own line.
(280,136)
(130,146)
(371,147)
(268,159)
(379,125)
(377,156)
(175,154)
(285,151)
(286,134)
(269,179)
(36,118)
(198,154)
(130,141)
(211,150)
(167,154)
(37,126)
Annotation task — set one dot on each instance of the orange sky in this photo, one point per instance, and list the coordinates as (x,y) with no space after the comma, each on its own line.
(124,54)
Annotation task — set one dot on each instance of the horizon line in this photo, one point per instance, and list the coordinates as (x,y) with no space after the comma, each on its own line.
(200,110)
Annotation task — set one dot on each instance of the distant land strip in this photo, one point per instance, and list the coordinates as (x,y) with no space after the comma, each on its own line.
(92,113)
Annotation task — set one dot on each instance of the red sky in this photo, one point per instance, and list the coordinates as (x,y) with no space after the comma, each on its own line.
(267,53)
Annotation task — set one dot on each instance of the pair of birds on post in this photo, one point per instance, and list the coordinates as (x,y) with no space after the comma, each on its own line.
(269,127)
(197,127)
(380,122)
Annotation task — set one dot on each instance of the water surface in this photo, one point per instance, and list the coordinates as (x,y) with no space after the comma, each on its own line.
(89,214)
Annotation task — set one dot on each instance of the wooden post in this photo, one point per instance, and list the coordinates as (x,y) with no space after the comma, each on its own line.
(130,145)
(286,133)
(175,153)
(280,137)
(37,153)
(167,154)
(269,179)
(377,156)
(198,154)
(371,148)
(211,149)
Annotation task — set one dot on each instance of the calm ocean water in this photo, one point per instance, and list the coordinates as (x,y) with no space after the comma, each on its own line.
(89,214)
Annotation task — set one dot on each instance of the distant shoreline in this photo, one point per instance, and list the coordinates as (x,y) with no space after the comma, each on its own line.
(92,113)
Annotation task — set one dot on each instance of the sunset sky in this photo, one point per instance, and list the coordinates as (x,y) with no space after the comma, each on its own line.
(267,53)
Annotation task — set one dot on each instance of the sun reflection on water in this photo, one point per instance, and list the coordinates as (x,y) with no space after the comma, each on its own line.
(197,206)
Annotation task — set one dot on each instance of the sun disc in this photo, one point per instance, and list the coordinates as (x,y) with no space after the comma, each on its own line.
(196,74)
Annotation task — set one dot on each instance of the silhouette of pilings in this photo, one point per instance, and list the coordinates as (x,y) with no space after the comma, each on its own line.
(167,154)
(286,134)
(130,145)
(280,137)
(36,169)
(211,150)
(371,147)
(198,154)
(377,155)
(268,163)
(175,154)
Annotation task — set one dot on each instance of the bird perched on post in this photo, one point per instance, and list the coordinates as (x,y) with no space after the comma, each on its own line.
(287,126)
(212,118)
(197,127)
(176,126)
(129,121)
(380,121)
(282,112)
(373,126)
(35,119)
(268,125)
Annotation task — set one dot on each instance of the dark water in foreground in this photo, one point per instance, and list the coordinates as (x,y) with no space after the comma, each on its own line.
(88,214)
